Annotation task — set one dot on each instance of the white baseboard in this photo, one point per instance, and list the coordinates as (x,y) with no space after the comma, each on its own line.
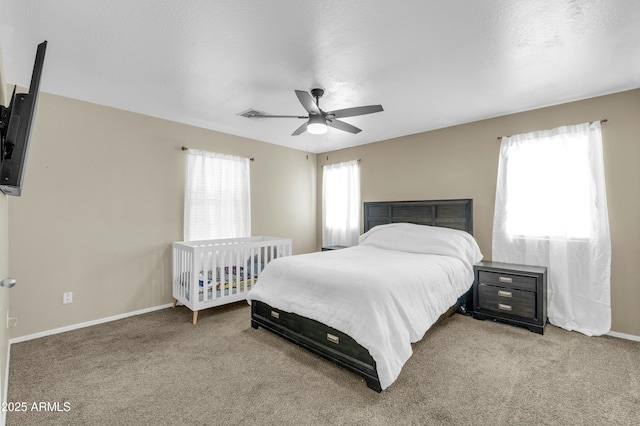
(623,336)
(85,324)
(157,308)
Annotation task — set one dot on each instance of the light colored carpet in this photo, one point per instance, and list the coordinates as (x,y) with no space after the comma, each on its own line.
(158,368)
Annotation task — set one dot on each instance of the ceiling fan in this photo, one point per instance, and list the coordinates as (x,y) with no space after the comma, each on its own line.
(318,120)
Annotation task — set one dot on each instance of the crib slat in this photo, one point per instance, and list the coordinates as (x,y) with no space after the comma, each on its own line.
(206,273)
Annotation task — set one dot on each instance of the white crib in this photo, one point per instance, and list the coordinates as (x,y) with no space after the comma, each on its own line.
(216,272)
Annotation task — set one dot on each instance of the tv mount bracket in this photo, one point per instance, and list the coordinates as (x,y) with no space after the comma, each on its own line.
(6,150)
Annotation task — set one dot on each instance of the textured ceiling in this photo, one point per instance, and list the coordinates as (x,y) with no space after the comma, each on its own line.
(431,64)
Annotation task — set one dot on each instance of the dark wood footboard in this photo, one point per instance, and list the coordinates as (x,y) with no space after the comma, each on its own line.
(319,339)
(328,342)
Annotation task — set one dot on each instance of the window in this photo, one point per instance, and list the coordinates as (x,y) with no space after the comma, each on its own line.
(551,210)
(549,186)
(217,196)
(341,204)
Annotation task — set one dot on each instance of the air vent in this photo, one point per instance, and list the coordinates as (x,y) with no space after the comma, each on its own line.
(252,113)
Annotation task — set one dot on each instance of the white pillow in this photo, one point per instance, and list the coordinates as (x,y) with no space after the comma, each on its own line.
(424,239)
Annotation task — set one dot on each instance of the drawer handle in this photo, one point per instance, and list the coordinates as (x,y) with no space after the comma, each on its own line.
(332,338)
(504,307)
(275,314)
(505,280)
(503,293)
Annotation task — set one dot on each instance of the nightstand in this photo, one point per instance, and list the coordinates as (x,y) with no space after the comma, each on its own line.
(328,248)
(514,294)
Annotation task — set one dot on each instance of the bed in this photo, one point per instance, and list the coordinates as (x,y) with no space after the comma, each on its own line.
(362,307)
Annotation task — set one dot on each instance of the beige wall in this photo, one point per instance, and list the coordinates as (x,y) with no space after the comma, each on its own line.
(4,265)
(461,162)
(103,201)
(103,198)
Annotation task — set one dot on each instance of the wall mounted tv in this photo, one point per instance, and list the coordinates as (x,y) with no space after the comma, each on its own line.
(15,130)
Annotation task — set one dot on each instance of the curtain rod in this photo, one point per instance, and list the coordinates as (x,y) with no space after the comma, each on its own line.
(604,120)
(184,148)
(358,160)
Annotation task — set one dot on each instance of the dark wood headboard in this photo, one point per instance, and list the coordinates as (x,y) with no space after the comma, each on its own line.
(456,214)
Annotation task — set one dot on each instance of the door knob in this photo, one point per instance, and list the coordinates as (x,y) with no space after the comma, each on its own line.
(8,282)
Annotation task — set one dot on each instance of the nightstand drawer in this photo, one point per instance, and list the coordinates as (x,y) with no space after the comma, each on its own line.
(507,301)
(507,280)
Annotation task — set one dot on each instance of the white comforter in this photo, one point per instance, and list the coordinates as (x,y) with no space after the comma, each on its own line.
(385,293)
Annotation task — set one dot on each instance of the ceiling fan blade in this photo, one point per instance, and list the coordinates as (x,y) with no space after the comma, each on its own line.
(253,113)
(341,125)
(300,130)
(307,102)
(282,116)
(352,112)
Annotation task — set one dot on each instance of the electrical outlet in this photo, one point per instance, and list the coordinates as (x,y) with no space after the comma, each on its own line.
(11,321)
(67,297)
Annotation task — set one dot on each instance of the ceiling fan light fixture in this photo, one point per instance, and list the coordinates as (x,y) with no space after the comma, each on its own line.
(317,125)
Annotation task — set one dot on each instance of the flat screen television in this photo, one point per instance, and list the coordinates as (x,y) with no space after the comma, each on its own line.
(15,130)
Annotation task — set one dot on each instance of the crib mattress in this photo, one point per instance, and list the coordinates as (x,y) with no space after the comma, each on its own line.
(220,291)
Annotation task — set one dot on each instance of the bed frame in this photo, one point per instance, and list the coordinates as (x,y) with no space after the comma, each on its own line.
(335,345)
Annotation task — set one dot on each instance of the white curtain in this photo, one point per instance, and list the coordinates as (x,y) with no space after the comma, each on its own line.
(551,210)
(217,200)
(341,204)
